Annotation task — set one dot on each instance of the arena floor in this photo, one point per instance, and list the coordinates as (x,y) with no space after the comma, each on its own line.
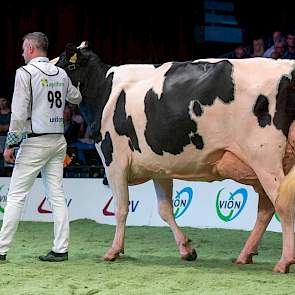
(151,264)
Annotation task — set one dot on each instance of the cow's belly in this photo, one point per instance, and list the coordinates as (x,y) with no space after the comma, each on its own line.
(191,164)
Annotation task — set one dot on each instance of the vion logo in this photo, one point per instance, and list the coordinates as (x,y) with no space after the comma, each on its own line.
(3,199)
(230,205)
(182,201)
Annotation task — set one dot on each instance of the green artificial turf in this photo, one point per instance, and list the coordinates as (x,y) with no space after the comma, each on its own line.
(150,265)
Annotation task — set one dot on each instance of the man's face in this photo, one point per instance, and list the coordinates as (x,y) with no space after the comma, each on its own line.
(27,50)
(291,40)
(3,102)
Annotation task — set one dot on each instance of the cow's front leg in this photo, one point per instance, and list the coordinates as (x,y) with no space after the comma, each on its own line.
(121,196)
(264,215)
(163,189)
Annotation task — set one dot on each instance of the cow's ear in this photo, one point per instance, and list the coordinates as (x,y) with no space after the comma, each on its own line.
(88,45)
(71,52)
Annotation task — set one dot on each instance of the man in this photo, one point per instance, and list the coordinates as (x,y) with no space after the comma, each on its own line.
(37,122)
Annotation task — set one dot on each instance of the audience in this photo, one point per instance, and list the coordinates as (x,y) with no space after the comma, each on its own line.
(240,52)
(279,48)
(258,47)
(276,36)
(290,52)
(5,113)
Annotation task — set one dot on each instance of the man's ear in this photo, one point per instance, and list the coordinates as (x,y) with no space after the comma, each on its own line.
(31,48)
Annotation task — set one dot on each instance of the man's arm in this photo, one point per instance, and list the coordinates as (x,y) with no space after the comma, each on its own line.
(19,113)
(73,95)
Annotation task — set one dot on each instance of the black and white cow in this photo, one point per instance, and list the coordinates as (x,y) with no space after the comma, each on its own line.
(200,120)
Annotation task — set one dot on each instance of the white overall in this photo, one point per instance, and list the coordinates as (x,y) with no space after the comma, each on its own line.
(37,107)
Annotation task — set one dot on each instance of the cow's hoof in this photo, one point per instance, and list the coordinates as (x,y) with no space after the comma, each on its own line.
(111,258)
(190,256)
(245,259)
(283,266)
(111,255)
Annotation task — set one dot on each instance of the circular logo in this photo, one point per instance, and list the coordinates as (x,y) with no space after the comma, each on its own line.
(182,201)
(230,205)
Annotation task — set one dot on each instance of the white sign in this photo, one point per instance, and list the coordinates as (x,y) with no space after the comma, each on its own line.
(220,204)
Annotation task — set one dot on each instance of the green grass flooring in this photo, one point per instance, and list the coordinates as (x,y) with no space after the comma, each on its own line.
(150,265)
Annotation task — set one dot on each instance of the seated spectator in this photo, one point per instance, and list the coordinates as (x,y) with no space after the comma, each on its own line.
(290,52)
(5,113)
(275,55)
(279,49)
(240,52)
(258,47)
(72,128)
(277,35)
(76,117)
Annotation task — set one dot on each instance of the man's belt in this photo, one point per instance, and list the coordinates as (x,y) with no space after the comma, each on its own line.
(29,135)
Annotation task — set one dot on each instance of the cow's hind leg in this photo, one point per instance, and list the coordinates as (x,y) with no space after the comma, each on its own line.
(163,189)
(285,208)
(121,196)
(281,192)
(264,215)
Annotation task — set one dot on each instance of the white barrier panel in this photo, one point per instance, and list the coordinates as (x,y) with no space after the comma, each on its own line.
(220,204)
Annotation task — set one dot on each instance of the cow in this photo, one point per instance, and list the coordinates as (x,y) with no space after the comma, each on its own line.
(204,120)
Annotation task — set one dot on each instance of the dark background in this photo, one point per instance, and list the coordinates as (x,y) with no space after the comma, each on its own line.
(145,31)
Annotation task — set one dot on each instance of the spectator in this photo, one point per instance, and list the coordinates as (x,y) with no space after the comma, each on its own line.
(76,117)
(72,127)
(279,49)
(275,55)
(240,52)
(276,36)
(290,53)
(258,47)
(5,113)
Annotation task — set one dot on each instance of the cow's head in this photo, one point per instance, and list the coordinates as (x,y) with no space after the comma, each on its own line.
(87,71)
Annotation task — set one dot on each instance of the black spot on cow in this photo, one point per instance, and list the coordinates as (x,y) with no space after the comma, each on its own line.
(197,108)
(169,125)
(261,111)
(285,104)
(123,123)
(197,140)
(107,149)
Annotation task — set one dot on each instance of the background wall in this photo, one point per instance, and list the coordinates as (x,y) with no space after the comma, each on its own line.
(126,31)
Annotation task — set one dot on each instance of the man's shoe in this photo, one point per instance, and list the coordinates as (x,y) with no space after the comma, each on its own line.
(2,257)
(54,257)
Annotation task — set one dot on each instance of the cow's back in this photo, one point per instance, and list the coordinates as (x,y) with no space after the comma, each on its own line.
(180,120)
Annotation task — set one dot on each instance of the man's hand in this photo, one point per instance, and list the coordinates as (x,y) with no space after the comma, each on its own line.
(8,155)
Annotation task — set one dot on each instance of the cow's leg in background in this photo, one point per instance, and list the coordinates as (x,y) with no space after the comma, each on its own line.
(164,190)
(285,208)
(264,216)
(121,196)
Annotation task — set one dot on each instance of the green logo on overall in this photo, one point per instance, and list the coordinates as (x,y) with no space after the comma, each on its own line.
(44,82)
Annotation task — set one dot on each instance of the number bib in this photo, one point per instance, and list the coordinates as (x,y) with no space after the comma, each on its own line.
(49,87)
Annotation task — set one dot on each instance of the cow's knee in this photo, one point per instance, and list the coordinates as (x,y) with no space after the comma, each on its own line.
(165,210)
(121,214)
